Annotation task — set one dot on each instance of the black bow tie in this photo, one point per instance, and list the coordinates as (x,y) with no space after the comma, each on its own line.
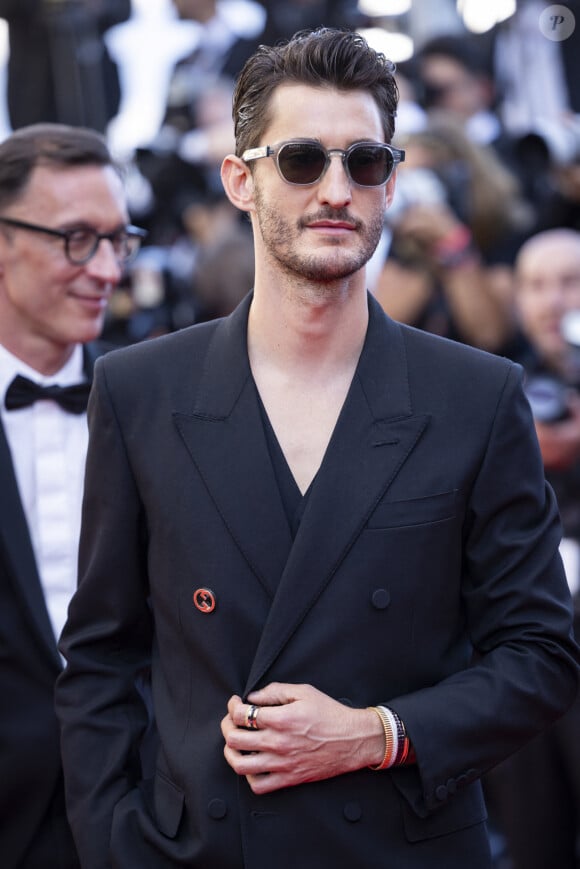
(23,392)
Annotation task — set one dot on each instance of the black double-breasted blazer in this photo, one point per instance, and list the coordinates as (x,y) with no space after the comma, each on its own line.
(30,768)
(424,574)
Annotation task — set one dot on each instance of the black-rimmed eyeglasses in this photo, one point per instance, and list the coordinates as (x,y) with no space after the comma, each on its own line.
(304,161)
(81,243)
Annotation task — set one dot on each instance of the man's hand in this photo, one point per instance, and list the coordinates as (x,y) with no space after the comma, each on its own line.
(302,735)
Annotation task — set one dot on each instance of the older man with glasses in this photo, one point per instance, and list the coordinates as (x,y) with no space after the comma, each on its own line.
(64,242)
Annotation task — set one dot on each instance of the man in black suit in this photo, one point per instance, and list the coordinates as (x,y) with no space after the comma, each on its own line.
(327,537)
(63,243)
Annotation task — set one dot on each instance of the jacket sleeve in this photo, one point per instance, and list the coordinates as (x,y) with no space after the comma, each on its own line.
(518,615)
(106,641)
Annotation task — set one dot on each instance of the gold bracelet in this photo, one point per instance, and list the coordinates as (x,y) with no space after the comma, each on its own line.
(389,739)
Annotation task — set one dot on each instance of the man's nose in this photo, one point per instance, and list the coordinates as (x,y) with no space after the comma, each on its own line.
(104,265)
(335,186)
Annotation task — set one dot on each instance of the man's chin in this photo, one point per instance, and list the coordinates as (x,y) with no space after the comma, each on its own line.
(331,272)
(90,330)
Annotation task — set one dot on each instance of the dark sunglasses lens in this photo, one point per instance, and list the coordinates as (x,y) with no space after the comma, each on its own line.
(301,163)
(370,166)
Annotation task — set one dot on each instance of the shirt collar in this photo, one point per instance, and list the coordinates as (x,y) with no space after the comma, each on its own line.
(10,366)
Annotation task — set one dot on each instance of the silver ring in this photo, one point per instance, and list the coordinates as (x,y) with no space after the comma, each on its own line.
(252,717)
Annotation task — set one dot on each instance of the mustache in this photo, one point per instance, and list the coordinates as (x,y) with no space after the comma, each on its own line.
(330,214)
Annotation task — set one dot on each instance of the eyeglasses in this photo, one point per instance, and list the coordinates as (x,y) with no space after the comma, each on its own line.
(304,161)
(81,244)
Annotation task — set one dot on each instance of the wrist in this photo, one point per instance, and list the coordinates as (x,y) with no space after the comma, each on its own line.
(396,745)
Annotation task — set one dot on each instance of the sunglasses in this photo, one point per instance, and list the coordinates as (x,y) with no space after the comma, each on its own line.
(304,161)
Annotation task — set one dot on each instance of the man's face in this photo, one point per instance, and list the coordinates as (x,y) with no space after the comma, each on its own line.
(449,86)
(328,230)
(45,301)
(548,287)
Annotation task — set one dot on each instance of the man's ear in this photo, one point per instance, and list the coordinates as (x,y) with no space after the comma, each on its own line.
(238,182)
(4,242)
(390,189)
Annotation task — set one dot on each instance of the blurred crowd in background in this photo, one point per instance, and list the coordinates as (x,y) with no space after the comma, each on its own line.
(481,243)
(490,123)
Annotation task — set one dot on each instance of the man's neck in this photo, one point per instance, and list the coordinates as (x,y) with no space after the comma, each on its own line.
(316,330)
(40,355)
(303,354)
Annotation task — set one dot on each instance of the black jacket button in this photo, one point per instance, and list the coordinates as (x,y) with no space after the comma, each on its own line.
(381,598)
(352,812)
(217,809)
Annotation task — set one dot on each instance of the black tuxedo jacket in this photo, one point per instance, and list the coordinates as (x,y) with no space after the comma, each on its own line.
(424,574)
(30,768)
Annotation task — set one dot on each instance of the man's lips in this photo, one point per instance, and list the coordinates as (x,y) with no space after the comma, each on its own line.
(331,225)
(92,300)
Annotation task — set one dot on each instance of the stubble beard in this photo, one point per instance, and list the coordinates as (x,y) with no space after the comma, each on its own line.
(326,267)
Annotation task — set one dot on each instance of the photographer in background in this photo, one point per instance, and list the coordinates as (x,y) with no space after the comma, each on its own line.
(547,296)
(457,221)
(534,797)
(59,69)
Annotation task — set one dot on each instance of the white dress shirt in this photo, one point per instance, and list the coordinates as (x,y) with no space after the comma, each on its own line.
(48,447)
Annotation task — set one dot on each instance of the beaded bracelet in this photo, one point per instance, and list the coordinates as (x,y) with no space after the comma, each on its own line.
(402,739)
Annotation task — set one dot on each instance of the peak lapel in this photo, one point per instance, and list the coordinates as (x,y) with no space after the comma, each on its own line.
(225,438)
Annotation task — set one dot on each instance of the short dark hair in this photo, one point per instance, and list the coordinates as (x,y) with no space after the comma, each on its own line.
(325,57)
(57,145)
